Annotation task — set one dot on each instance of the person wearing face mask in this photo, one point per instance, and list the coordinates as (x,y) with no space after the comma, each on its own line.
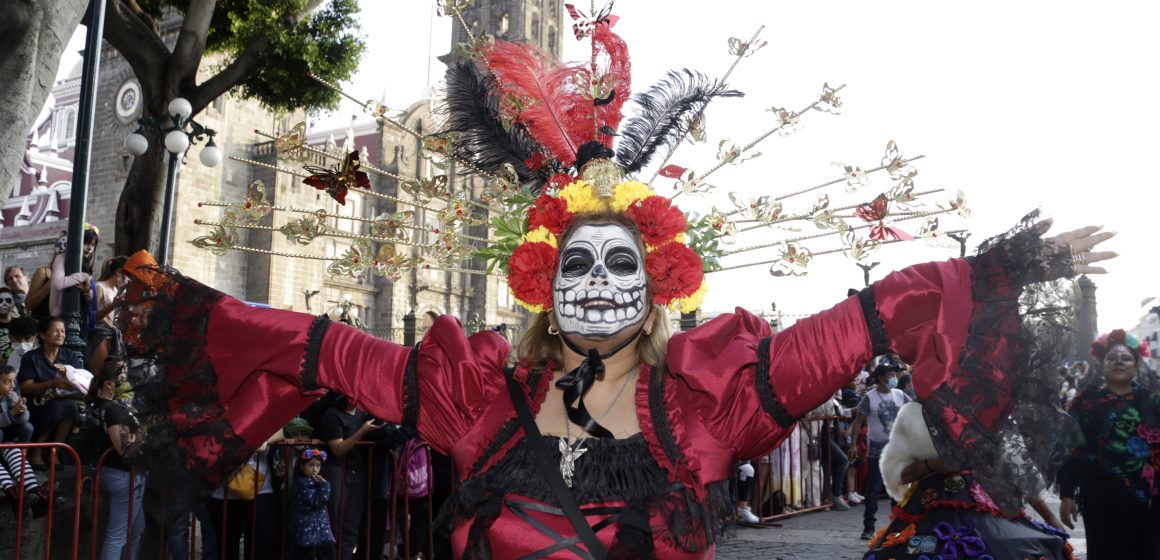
(7,310)
(1110,477)
(877,410)
(22,333)
(16,280)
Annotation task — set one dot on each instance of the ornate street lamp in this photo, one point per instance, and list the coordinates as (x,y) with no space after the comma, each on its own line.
(173,133)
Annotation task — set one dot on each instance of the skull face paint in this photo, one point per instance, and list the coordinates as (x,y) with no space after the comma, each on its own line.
(600,287)
(7,302)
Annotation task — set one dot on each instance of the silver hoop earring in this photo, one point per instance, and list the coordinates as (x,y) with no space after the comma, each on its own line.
(553,330)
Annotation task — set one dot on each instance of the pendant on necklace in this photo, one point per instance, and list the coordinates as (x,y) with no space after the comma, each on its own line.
(569,452)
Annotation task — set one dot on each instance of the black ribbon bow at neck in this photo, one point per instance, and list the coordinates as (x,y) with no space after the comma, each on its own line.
(577,383)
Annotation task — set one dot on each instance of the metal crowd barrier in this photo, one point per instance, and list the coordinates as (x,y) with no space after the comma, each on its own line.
(61,538)
(801,476)
(41,529)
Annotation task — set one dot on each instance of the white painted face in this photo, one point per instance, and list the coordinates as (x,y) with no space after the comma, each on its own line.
(600,287)
(7,302)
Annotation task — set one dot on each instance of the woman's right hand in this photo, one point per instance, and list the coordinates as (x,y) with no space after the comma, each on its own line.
(61,383)
(1068,512)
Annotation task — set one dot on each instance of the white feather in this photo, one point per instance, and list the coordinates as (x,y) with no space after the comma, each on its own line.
(909,443)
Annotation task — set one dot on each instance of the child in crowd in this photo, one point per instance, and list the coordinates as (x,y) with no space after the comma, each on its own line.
(14,427)
(309,521)
(22,333)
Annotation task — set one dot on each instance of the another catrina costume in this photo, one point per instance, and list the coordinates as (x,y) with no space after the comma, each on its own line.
(1112,473)
(951,515)
(220,376)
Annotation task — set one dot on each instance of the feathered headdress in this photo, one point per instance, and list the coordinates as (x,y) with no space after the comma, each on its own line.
(549,140)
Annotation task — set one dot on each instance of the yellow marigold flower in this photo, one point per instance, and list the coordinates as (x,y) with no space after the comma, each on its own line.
(629,193)
(582,199)
(533,308)
(540,235)
(693,302)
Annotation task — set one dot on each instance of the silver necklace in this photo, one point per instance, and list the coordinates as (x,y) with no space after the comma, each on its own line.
(571,450)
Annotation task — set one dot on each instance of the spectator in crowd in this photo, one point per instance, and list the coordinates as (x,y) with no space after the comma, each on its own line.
(42,378)
(104,339)
(878,409)
(39,286)
(249,509)
(342,427)
(7,311)
(124,489)
(906,385)
(81,280)
(309,521)
(14,418)
(16,280)
(745,475)
(14,427)
(848,401)
(829,439)
(22,334)
(1110,476)
(385,442)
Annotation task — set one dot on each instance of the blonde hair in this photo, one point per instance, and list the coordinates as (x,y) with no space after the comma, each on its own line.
(538,346)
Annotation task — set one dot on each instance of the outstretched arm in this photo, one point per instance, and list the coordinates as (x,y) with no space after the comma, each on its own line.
(750,390)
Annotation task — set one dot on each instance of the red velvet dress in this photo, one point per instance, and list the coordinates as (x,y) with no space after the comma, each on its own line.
(235,374)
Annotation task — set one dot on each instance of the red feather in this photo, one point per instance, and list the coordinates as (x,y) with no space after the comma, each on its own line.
(610,44)
(521,71)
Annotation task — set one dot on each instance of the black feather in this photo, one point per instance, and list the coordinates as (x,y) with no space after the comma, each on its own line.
(663,115)
(471,108)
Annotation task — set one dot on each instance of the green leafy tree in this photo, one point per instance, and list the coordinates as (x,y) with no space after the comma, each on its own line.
(267,45)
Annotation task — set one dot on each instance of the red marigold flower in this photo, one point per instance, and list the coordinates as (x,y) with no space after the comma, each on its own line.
(550,212)
(530,272)
(675,272)
(657,219)
(559,181)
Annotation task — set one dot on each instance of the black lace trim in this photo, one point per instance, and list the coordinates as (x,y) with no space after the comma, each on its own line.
(314,335)
(765,394)
(691,525)
(1013,457)
(173,377)
(411,391)
(879,338)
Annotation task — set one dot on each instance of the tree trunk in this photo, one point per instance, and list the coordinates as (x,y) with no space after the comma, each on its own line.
(35,33)
(139,207)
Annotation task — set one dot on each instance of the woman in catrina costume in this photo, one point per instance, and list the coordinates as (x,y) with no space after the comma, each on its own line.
(610,437)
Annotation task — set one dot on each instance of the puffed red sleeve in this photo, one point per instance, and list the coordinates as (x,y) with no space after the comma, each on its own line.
(749,387)
(442,388)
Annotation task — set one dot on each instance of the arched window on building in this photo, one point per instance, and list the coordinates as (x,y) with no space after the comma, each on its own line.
(70,126)
(536,27)
(552,41)
(504,23)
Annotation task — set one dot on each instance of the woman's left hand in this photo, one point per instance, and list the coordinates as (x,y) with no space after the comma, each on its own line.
(1080,243)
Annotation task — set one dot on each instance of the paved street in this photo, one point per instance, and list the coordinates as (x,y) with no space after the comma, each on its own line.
(831,535)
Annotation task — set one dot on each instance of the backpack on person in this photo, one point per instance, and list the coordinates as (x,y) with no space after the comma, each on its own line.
(90,439)
(414,469)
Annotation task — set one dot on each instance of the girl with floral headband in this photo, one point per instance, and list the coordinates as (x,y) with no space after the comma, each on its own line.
(609,437)
(1110,477)
(309,521)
